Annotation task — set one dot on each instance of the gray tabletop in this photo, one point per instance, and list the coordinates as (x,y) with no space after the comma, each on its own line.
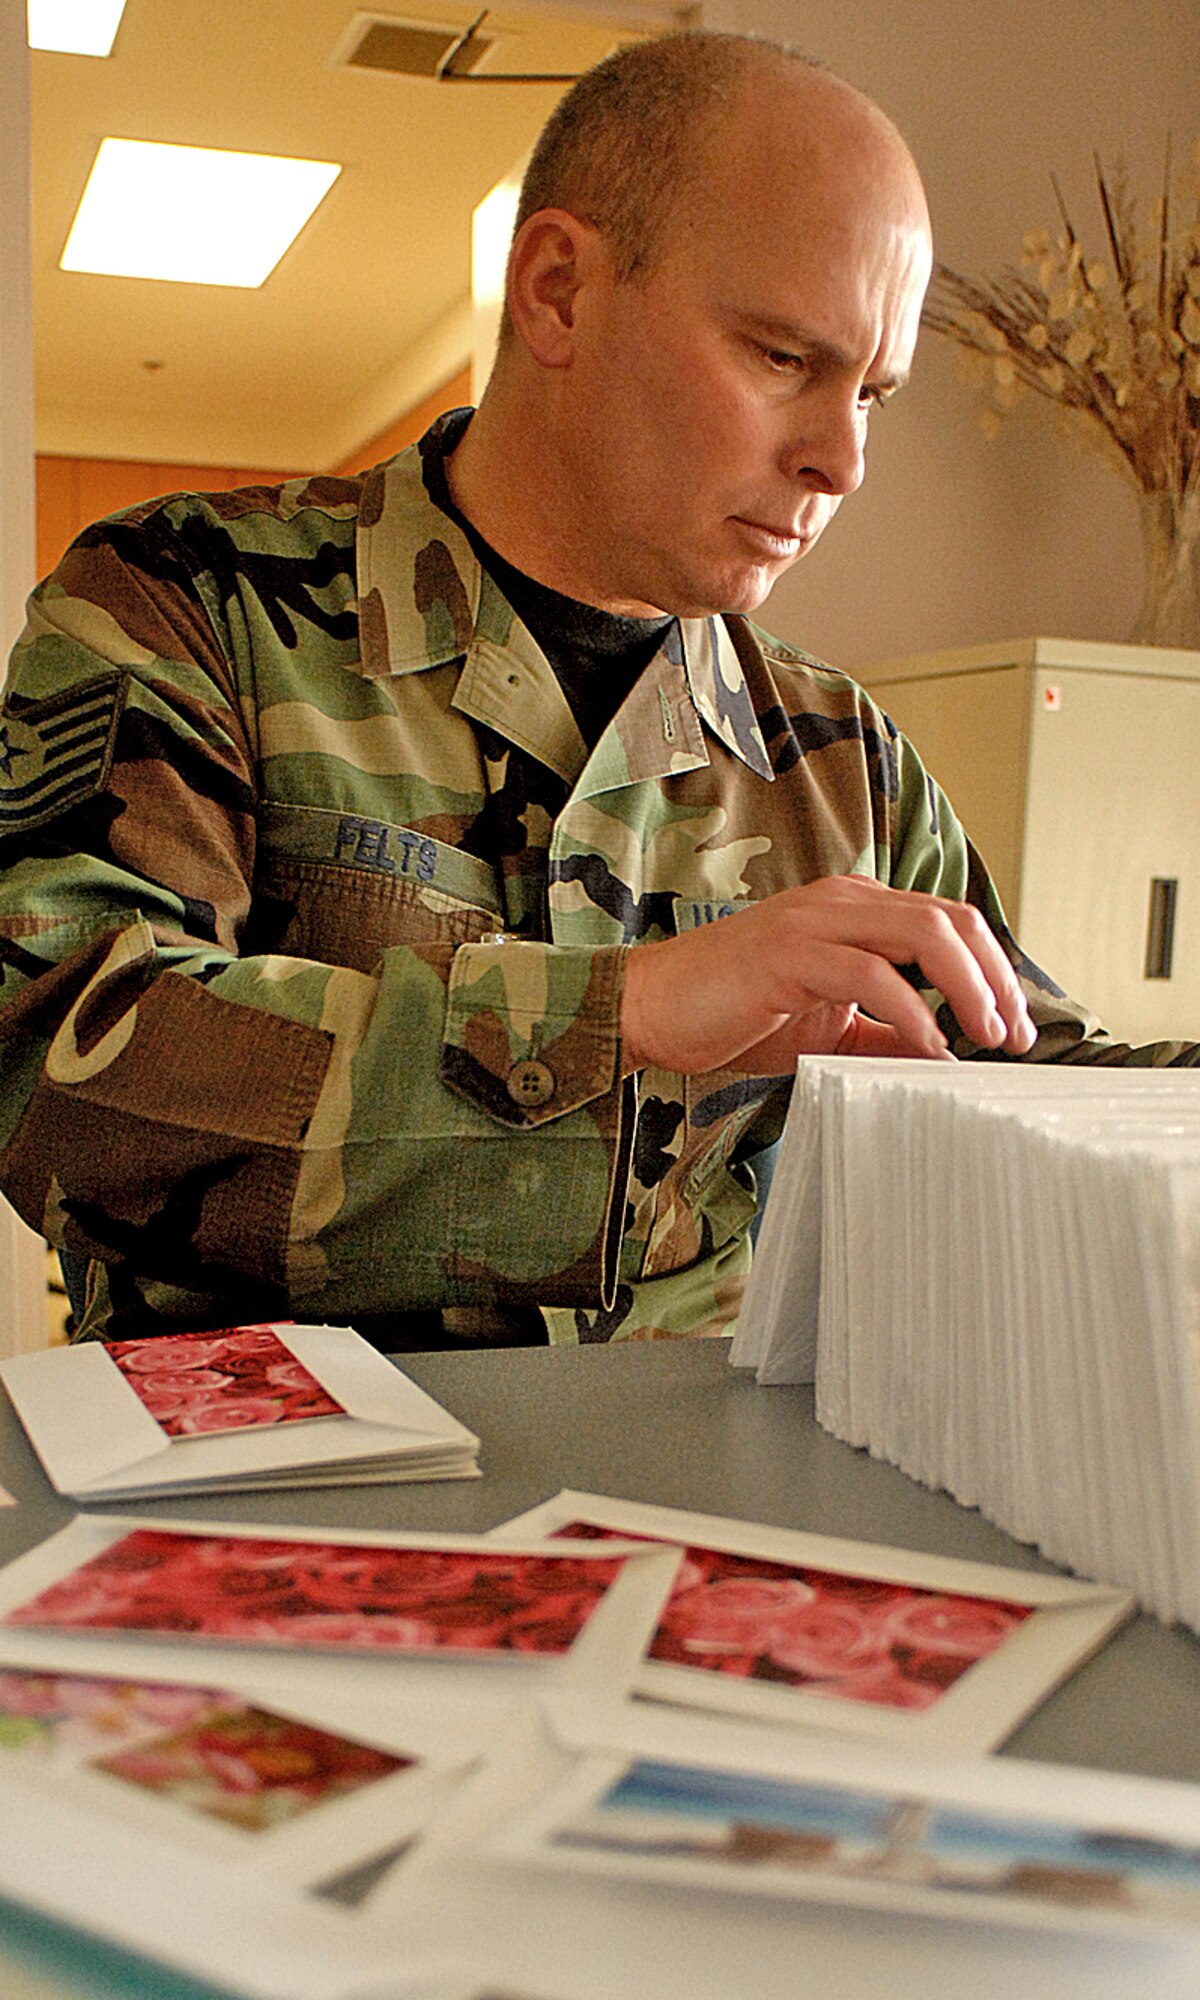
(673,1423)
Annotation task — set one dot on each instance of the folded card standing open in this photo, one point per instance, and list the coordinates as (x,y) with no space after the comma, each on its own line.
(244,1408)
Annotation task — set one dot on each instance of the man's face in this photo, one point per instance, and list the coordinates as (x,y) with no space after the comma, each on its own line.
(721,407)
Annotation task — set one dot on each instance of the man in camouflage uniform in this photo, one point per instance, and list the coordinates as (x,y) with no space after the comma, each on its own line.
(366,839)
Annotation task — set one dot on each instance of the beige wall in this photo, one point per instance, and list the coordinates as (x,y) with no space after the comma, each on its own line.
(954,540)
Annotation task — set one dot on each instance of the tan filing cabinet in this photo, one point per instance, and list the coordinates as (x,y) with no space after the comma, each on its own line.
(1074,768)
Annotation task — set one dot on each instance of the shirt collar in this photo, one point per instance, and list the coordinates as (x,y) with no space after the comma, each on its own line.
(424,600)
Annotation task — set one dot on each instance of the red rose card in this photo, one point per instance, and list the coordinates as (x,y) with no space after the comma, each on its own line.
(240,1407)
(783,1626)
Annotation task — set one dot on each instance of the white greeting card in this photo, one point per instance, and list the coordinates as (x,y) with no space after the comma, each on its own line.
(299,1612)
(591,1933)
(782,1626)
(298,1791)
(995,1840)
(239,1929)
(242,1408)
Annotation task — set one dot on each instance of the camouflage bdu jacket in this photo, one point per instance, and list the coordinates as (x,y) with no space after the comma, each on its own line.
(315,912)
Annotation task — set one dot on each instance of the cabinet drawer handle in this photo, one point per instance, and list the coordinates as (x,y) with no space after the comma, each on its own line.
(1160,926)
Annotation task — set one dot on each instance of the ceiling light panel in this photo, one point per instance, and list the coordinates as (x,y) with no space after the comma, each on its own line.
(74,27)
(191,214)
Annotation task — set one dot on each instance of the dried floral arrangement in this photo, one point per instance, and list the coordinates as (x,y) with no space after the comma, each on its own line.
(1112,344)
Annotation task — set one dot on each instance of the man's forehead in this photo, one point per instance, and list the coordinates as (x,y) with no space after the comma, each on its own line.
(800,255)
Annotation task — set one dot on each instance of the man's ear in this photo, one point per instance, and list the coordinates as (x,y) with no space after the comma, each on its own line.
(552,255)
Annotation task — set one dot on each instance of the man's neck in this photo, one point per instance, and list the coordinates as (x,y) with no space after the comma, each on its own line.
(508,485)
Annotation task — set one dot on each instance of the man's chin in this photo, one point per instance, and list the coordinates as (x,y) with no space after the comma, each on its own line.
(746,593)
(739,588)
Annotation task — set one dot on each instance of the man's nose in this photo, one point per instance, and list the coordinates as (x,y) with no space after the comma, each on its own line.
(828,449)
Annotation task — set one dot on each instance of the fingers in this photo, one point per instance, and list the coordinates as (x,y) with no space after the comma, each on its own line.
(950,942)
(800,971)
(966,964)
(865,982)
(865,1037)
(828,1029)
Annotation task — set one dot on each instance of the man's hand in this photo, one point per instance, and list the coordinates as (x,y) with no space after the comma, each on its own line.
(812,971)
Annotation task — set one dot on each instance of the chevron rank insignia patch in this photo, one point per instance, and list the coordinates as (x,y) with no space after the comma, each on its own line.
(54,753)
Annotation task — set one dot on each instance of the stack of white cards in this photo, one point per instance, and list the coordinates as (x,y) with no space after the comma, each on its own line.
(993,1273)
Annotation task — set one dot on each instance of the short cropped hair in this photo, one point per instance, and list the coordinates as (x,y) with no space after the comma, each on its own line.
(622,144)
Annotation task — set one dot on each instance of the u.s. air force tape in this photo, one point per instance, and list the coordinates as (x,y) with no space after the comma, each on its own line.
(54,753)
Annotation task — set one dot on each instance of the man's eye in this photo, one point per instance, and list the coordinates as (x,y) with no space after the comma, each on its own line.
(785,362)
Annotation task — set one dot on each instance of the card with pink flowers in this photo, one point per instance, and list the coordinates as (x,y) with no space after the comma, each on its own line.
(315,1610)
(236,1378)
(887,1643)
(300,1793)
(230,1409)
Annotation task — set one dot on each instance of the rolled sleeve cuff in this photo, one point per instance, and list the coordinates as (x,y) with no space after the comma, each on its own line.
(532,1031)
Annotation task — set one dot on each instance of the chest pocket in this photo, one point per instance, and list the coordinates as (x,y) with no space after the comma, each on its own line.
(341,888)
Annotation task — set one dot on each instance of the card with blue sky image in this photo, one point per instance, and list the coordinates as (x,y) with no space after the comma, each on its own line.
(993,1840)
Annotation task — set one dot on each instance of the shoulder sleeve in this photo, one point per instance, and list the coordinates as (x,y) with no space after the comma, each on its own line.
(224,1128)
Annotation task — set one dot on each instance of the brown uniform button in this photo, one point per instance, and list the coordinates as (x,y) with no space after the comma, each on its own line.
(530,1083)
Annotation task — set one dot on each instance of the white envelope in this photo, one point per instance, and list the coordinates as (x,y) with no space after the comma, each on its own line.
(1014,1317)
(97,1440)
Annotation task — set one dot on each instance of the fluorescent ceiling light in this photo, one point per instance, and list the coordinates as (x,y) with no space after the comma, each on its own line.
(74,27)
(191,214)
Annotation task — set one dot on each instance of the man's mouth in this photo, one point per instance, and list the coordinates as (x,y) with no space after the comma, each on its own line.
(778,543)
